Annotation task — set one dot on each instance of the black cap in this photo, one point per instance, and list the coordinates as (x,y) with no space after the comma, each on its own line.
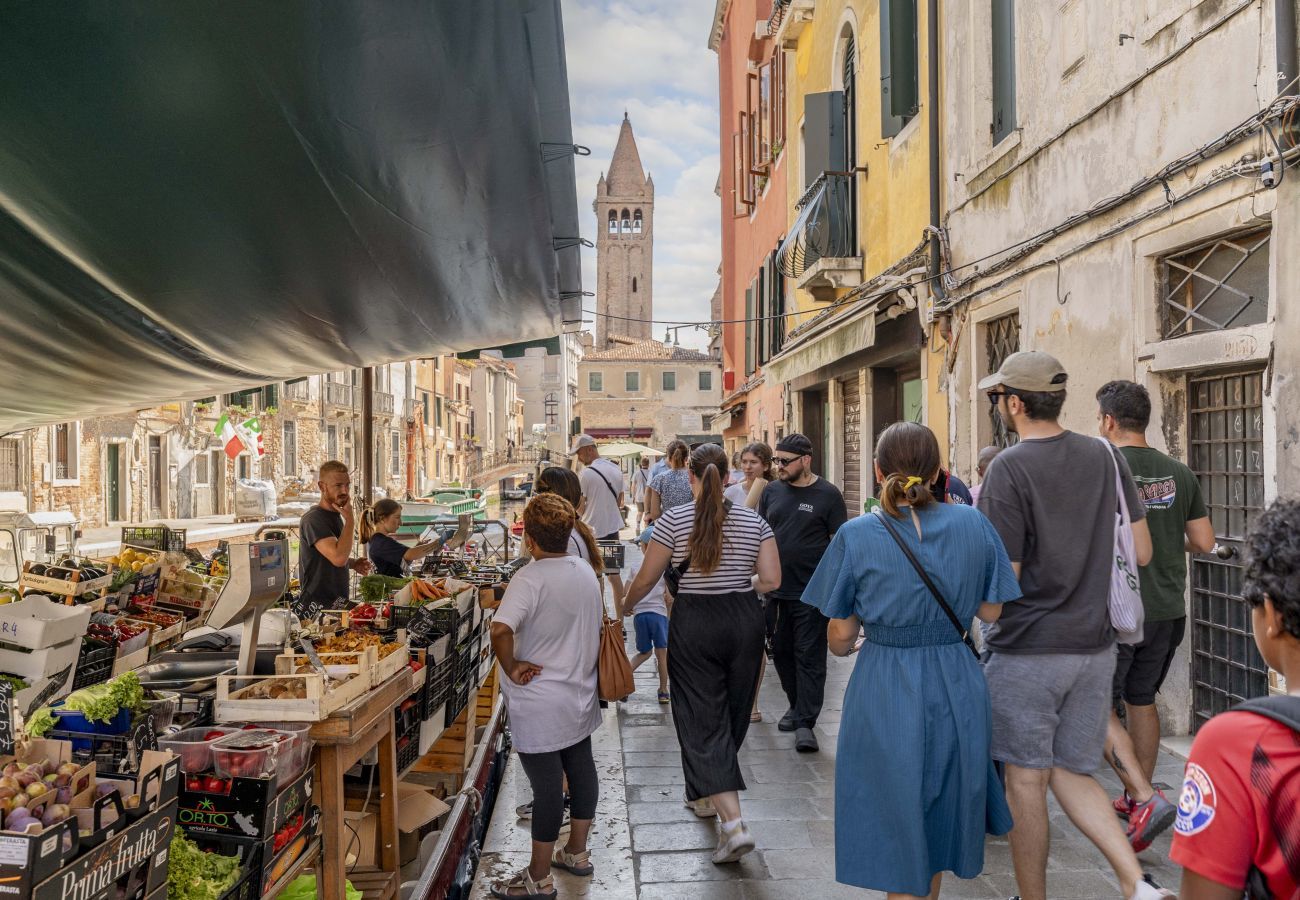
(795,443)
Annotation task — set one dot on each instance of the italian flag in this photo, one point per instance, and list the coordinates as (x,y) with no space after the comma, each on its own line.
(250,432)
(230,440)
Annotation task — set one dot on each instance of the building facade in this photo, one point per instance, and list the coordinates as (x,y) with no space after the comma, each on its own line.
(548,390)
(624,205)
(1093,215)
(649,392)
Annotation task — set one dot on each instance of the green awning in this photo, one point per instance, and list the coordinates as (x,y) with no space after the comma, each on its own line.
(514,351)
(824,349)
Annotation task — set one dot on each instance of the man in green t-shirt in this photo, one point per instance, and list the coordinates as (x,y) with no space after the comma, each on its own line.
(1179,524)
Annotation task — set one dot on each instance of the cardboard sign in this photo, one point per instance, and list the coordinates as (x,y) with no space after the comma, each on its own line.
(145,590)
(57,683)
(6,717)
(420,626)
(138,854)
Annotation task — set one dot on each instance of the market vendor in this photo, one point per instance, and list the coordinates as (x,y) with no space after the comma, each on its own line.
(327,528)
(378,525)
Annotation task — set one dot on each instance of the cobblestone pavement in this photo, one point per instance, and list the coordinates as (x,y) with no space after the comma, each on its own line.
(646,845)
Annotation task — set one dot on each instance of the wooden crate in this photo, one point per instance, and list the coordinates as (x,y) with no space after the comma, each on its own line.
(158,634)
(362,663)
(69,589)
(391,664)
(233,704)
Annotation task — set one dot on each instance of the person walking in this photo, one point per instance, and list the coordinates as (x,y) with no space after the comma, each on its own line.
(1237,830)
(326,529)
(986,456)
(650,624)
(904,819)
(546,636)
(602,497)
(1179,523)
(722,554)
(640,481)
(564,483)
(1052,498)
(672,487)
(805,512)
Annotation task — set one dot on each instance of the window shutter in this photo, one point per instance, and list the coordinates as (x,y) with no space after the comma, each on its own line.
(903,63)
(1004,69)
(760,330)
(749,330)
(271,396)
(890,124)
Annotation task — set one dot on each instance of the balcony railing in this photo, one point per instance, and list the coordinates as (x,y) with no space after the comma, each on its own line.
(788,20)
(337,395)
(297,390)
(383,403)
(821,249)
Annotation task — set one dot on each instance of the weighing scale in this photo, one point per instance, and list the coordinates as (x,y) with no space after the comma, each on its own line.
(259,575)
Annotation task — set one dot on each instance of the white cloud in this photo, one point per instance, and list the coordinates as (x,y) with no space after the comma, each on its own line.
(650,58)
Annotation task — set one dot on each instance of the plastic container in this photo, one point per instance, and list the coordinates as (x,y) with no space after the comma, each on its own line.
(254,753)
(193,748)
(299,756)
(163,708)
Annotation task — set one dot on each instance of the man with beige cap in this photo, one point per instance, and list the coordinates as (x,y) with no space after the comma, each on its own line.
(602,498)
(1052,498)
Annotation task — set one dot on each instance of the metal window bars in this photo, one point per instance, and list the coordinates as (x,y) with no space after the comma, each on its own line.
(1001,339)
(1219,284)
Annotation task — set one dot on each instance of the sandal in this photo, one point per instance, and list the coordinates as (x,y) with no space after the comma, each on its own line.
(756,716)
(522,887)
(573,863)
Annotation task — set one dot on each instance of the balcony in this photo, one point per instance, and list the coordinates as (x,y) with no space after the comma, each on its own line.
(337,397)
(297,391)
(382,403)
(789,19)
(818,253)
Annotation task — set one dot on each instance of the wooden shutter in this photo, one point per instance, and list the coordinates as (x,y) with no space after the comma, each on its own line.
(746,170)
(1004,69)
(749,330)
(904,98)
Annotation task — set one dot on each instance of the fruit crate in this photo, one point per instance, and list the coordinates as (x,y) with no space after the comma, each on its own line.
(153,537)
(95,664)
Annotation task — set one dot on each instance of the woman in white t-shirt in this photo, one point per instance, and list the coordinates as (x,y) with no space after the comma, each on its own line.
(546,636)
(715,636)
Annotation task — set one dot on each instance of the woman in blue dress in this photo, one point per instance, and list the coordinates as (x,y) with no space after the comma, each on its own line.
(915,791)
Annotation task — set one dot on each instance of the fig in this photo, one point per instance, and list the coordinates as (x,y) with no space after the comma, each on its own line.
(6,804)
(47,767)
(68,769)
(55,813)
(62,781)
(26,779)
(132,802)
(11,770)
(7,793)
(36,789)
(10,781)
(21,823)
(103,790)
(50,778)
(63,795)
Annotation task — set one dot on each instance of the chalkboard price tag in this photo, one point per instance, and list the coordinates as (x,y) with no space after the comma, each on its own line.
(145,734)
(307,610)
(6,717)
(420,626)
(57,683)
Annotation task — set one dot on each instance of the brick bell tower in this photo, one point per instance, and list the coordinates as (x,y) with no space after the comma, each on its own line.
(625,214)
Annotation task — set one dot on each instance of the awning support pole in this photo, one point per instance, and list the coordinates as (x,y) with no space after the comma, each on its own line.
(367,436)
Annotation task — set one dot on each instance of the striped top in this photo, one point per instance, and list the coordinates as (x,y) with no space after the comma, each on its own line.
(742,533)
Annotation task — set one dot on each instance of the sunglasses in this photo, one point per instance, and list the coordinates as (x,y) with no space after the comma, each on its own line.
(994,395)
(784,461)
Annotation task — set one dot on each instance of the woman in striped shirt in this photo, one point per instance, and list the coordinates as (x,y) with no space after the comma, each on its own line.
(725,553)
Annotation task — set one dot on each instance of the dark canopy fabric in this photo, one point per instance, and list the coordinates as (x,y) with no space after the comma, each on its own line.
(202,197)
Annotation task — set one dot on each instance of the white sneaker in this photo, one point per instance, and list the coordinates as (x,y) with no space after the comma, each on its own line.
(1147,891)
(731,849)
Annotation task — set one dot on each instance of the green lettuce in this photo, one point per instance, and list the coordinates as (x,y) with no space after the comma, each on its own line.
(40,723)
(193,874)
(101,702)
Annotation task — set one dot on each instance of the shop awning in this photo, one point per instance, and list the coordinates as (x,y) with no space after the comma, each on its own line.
(514,351)
(837,342)
(199,198)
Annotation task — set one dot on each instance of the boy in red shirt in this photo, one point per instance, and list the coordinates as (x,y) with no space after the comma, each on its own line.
(1238,825)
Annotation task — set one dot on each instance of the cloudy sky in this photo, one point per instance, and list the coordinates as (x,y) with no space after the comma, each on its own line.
(650,57)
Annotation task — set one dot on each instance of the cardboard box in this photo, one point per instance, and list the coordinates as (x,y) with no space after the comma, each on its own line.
(260,852)
(28,859)
(251,808)
(416,808)
(137,855)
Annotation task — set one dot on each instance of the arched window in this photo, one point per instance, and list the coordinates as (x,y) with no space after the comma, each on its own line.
(636,222)
(627,223)
(634,284)
(613,222)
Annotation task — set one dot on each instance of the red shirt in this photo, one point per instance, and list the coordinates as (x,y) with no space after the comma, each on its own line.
(1240,804)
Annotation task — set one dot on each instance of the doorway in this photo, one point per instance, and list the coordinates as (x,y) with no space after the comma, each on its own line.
(155,477)
(1226,439)
(113,491)
(815,413)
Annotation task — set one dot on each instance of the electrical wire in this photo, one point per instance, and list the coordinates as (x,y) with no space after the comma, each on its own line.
(1281,157)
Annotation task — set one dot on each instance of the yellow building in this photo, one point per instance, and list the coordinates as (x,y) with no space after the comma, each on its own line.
(856,260)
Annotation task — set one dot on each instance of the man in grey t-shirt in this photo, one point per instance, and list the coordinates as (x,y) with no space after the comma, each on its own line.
(1052,499)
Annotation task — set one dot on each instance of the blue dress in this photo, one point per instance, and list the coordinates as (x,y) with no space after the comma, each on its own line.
(914,786)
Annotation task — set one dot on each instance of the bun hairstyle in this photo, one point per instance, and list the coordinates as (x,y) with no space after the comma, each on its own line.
(763,453)
(708,463)
(677,453)
(562,481)
(908,456)
(549,519)
(381,510)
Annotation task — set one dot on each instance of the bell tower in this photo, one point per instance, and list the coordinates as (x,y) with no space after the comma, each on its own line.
(624,205)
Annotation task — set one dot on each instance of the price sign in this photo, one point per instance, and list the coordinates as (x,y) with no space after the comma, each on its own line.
(6,717)
(58,682)
(145,590)
(307,609)
(420,626)
(145,734)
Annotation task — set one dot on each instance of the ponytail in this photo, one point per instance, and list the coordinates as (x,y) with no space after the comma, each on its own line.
(704,547)
(677,454)
(908,456)
(593,549)
(371,515)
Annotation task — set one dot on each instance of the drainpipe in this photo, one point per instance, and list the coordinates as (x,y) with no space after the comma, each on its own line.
(1284,28)
(932,75)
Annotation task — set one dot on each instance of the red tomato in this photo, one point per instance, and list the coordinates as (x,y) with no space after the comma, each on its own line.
(214,785)
(194,783)
(416,665)
(213,735)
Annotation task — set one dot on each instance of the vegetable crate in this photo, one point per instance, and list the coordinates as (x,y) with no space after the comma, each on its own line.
(359,663)
(153,537)
(95,664)
(71,587)
(303,698)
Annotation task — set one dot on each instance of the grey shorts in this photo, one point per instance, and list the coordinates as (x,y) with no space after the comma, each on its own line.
(1051,710)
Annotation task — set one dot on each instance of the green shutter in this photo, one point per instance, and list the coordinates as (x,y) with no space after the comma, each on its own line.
(1004,69)
(271,396)
(899,65)
(749,330)
(760,333)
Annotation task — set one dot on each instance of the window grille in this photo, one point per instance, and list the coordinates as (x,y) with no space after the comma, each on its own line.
(1001,339)
(1219,284)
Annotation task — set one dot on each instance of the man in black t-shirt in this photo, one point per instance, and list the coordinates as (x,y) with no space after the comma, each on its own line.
(326,530)
(805,512)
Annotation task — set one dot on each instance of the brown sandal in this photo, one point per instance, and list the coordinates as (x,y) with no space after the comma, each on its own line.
(522,887)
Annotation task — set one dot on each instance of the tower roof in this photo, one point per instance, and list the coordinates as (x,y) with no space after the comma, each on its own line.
(626,177)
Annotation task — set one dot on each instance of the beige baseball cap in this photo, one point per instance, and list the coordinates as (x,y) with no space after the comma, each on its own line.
(1028,370)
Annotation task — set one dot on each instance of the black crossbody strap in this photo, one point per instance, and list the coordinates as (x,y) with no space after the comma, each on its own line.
(916,564)
(607,484)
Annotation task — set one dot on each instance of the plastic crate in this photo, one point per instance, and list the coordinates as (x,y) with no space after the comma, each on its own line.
(94,664)
(457,701)
(438,682)
(446,619)
(154,537)
(408,753)
(612,553)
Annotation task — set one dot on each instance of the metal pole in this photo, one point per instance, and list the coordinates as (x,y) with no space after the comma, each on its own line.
(367,435)
(932,75)
(1284,27)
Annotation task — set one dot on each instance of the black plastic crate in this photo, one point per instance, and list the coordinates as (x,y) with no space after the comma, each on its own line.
(94,663)
(154,537)
(457,702)
(446,619)
(612,553)
(408,753)
(438,682)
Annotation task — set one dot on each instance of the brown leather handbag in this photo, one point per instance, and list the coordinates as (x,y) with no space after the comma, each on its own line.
(613,668)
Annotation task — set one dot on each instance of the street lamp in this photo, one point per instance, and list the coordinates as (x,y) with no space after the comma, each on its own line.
(631,423)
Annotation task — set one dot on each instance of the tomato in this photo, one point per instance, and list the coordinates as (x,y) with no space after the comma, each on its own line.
(416,665)
(213,735)
(214,785)
(194,783)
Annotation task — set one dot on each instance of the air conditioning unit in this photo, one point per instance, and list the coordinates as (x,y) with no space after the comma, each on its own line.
(761,30)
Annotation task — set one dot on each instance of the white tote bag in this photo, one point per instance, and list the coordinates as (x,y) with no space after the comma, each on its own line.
(1125,599)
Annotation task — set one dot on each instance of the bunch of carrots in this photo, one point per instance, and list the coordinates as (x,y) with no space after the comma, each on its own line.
(423,592)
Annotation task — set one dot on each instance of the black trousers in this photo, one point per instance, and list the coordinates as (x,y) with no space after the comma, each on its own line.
(798,635)
(715,649)
(546,773)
